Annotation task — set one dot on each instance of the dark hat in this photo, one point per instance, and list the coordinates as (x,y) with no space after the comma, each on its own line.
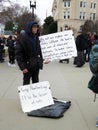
(35,24)
(10,36)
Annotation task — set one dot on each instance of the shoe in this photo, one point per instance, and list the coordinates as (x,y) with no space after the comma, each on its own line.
(13,65)
(9,64)
(79,66)
(60,61)
(2,60)
(67,61)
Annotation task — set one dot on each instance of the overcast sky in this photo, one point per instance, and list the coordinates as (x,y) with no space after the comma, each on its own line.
(43,7)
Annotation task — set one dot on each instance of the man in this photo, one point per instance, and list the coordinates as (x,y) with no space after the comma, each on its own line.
(1,49)
(28,53)
(81,44)
(11,51)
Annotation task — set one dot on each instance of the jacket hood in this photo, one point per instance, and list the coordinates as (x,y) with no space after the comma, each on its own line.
(29,26)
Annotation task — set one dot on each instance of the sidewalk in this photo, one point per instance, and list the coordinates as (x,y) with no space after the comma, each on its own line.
(67,83)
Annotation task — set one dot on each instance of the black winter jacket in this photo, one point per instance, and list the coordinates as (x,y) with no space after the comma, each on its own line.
(83,42)
(28,50)
(25,52)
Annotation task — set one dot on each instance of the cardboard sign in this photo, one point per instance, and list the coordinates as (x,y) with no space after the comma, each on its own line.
(59,45)
(35,96)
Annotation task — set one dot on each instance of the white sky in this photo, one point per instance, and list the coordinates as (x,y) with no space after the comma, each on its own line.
(43,7)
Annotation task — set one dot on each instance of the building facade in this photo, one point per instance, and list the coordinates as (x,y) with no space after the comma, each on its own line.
(73,13)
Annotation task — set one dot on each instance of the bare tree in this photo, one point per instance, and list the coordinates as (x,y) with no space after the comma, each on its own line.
(15,17)
(8,13)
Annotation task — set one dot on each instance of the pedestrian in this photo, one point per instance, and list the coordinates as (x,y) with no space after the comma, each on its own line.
(93,38)
(28,53)
(11,51)
(93,64)
(96,39)
(67,60)
(89,44)
(81,41)
(1,49)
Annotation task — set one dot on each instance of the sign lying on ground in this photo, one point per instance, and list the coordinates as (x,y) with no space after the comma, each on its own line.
(59,45)
(35,96)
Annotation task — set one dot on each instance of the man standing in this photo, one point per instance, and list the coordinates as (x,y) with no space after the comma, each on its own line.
(28,53)
(81,44)
(11,51)
(1,49)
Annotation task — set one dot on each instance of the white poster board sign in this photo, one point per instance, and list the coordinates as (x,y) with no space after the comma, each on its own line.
(60,45)
(35,96)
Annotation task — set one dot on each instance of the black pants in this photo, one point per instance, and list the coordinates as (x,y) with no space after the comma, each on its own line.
(12,57)
(1,54)
(87,53)
(34,75)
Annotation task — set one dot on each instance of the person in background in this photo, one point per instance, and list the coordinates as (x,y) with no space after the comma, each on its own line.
(92,38)
(96,39)
(79,61)
(1,49)
(28,53)
(89,46)
(11,51)
(63,60)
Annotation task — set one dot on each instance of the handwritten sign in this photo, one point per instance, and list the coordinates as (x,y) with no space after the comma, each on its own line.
(35,96)
(59,45)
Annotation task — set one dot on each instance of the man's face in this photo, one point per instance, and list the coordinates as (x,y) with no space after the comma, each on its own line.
(34,29)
